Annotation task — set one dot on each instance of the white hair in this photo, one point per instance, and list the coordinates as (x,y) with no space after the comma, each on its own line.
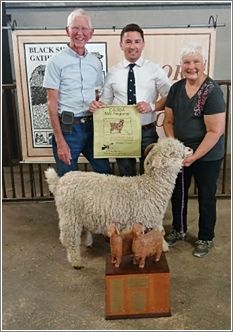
(193,48)
(77,13)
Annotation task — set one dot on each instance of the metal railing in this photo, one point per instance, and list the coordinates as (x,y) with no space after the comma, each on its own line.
(23,182)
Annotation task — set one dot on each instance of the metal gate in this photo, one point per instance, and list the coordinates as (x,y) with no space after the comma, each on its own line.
(22,182)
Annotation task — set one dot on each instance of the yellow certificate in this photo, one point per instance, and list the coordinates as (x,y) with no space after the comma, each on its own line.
(117,132)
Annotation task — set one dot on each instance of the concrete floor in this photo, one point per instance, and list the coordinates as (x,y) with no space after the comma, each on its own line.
(41,291)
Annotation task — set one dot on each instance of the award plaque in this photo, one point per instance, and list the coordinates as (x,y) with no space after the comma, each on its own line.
(133,292)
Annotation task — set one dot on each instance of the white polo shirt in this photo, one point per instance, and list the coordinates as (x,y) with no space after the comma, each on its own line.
(76,77)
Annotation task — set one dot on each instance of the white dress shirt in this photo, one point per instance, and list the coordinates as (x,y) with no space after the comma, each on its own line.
(150,80)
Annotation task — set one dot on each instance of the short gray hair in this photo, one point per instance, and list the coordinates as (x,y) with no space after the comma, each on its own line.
(77,13)
(193,48)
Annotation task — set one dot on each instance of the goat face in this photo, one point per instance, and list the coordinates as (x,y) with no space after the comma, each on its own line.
(167,153)
(112,229)
(137,229)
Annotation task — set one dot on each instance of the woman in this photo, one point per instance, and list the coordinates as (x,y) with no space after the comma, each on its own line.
(195,114)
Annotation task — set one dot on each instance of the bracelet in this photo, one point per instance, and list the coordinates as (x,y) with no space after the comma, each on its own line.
(152,107)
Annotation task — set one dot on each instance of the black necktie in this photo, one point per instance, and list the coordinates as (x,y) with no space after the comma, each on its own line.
(131,85)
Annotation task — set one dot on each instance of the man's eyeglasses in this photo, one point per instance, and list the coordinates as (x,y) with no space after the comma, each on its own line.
(82,29)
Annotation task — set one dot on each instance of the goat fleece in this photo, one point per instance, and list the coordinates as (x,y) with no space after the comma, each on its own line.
(91,201)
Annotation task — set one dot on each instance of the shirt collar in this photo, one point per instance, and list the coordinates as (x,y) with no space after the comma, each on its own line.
(139,62)
(75,53)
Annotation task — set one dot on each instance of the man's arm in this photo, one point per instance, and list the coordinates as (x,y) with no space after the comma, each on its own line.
(144,107)
(63,150)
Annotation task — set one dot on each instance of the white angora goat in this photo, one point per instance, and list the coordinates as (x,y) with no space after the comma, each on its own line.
(91,201)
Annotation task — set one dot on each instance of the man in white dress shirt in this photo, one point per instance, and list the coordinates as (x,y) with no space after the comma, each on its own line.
(151,82)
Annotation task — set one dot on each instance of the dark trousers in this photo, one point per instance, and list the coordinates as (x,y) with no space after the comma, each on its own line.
(127,166)
(205,174)
(80,141)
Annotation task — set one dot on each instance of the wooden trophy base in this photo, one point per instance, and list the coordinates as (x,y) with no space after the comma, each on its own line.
(133,292)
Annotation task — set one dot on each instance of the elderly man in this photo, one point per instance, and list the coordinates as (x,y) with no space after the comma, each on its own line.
(71,77)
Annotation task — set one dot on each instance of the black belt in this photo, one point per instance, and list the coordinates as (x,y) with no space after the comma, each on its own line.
(83,119)
(149,125)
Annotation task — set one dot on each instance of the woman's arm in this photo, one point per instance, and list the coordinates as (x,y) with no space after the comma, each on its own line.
(168,122)
(215,128)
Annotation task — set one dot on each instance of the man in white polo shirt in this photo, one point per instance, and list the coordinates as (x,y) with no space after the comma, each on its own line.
(71,77)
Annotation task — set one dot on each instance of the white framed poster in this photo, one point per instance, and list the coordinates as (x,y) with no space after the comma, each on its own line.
(36,56)
(32,49)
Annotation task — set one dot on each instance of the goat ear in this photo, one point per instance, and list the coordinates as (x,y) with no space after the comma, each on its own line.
(156,162)
(148,148)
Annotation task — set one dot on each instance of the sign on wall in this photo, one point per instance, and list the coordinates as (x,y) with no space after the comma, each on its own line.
(36,56)
(32,49)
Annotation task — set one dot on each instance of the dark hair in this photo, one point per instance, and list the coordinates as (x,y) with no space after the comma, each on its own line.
(132,27)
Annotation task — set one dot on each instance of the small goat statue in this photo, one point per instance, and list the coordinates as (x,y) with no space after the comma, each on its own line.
(120,244)
(144,245)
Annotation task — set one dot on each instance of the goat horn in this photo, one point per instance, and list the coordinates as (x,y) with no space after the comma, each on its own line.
(148,148)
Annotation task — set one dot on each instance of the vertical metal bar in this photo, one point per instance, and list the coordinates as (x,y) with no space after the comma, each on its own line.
(223,191)
(6,149)
(40,180)
(32,180)
(50,194)
(12,182)
(3,184)
(225,147)
(113,167)
(15,123)
(22,180)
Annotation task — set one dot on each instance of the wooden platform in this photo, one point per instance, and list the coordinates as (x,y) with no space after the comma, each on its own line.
(134,292)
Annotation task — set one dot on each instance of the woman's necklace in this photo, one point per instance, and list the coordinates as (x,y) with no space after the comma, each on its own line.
(191,89)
